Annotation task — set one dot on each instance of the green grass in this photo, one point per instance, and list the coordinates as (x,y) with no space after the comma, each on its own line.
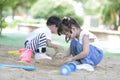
(17,39)
(14,39)
(112,52)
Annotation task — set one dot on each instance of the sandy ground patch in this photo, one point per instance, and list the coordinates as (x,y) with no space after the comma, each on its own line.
(108,69)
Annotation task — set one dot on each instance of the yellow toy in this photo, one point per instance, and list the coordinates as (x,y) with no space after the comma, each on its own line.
(14,52)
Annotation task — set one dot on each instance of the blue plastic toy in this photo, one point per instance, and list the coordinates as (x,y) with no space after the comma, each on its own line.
(28,68)
(68,68)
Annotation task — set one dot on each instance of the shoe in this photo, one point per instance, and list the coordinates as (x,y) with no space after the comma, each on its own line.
(86,67)
(42,56)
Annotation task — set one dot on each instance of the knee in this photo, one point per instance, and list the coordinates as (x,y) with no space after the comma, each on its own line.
(75,46)
(76,43)
(73,42)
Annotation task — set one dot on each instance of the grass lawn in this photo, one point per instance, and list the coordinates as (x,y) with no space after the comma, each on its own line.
(16,39)
(112,52)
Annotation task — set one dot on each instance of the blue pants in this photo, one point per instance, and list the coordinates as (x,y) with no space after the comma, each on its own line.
(93,58)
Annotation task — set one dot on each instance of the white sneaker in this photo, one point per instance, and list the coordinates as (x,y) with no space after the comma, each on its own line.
(42,56)
(86,67)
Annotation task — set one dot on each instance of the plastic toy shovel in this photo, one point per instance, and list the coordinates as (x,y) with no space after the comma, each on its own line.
(28,68)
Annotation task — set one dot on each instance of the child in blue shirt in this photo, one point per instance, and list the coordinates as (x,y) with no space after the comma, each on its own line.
(84,46)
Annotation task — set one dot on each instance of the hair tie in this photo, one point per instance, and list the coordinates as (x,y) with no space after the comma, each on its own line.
(68,18)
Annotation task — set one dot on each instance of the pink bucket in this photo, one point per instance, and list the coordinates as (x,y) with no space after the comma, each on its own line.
(25,54)
(22,50)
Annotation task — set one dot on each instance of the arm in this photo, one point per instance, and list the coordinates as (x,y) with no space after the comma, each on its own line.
(52,45)
(85,51)
(67,53)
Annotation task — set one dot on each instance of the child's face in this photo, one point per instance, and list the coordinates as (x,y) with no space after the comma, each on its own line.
(71,34)
(53,28)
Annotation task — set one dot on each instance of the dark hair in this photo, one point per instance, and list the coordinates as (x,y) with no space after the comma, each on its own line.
(65,25)
(53,20)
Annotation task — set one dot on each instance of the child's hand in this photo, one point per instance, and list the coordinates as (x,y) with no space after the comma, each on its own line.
(68,60)
(59,56)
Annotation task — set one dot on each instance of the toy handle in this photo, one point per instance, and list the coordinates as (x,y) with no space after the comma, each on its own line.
(28,68)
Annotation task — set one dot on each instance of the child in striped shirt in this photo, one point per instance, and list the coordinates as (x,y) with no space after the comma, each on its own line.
(40,38)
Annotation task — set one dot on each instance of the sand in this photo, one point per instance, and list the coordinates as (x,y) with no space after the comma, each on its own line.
(108,69)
